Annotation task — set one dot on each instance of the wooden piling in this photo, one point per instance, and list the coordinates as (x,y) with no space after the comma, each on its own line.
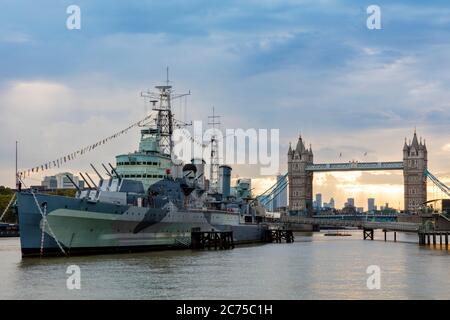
(421,238)
(368,234)
(279,236)
(219,240)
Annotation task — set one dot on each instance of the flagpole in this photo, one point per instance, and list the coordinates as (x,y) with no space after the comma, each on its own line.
(17,177)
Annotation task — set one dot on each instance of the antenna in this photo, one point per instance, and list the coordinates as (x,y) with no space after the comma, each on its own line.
(214,166)
(164,120)
(167,78)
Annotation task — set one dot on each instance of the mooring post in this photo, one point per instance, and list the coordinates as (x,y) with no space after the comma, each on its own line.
(368,233)
(395,236)
(434,239)
(385,238)
(440,239)
(446,240)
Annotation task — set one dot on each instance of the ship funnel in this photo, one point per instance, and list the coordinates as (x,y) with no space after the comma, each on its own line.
(224,180)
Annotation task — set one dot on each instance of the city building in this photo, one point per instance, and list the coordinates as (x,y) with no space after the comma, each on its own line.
(318,205)
(331,203)
(60,181)
(50,182)
(371,205)
(328,205)
(350,202)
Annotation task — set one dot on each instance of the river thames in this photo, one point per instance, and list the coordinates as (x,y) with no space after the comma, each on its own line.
(314,267)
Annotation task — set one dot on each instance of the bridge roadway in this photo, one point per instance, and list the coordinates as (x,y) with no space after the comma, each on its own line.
(388,226)
(355,166)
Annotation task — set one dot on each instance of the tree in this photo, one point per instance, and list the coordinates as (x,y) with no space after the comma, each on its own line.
(5,197)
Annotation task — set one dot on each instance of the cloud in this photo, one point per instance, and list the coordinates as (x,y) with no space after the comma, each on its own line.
(309,66)
(14,37)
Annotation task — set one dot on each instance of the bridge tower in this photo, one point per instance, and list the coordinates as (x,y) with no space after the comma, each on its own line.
(300,180)
(415,162)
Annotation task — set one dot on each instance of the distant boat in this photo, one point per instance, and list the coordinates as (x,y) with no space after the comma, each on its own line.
(337,234)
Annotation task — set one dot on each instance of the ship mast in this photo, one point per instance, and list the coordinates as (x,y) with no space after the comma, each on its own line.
(214,167)
(162,104)
(17,173)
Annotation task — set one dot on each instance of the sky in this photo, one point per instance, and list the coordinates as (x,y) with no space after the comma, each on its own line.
(305,66)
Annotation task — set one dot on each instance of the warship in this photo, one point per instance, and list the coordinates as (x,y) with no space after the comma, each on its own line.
(146,202)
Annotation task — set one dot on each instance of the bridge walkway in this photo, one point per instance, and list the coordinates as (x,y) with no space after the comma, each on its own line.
(373,225)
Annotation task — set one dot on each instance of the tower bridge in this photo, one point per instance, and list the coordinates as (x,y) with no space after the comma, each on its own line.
(301,168)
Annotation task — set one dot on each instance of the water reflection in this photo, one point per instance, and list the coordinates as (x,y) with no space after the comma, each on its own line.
(314,267)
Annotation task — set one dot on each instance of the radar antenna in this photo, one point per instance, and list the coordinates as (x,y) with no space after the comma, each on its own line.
(162,104)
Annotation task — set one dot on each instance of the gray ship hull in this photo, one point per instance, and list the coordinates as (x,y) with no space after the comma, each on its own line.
(84,227)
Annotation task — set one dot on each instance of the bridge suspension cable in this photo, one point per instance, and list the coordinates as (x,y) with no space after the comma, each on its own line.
(268,191)
(444,188)
(273,191)
(271,197)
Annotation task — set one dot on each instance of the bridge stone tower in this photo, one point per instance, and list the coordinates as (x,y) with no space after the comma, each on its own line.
(415,162)
(300,180)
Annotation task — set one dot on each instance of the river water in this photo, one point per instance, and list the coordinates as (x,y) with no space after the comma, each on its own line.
(314,267)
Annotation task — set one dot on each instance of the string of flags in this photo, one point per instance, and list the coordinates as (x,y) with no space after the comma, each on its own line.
(190,138)
(60,161)
(193,140)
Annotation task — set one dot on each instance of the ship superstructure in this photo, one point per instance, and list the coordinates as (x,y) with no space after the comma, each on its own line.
(148,164)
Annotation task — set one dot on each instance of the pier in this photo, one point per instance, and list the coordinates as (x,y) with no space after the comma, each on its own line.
(217,240)
(428,238)
(279,236)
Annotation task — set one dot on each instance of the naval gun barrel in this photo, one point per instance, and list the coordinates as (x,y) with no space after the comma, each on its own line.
(74,184)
